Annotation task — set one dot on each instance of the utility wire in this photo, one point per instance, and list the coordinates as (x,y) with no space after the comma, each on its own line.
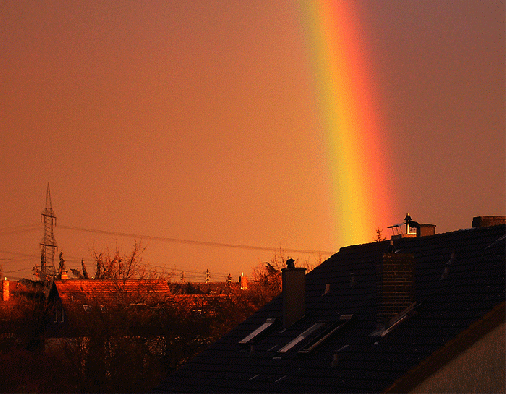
(19,254)
(19,229)
(192,242)
(188,273)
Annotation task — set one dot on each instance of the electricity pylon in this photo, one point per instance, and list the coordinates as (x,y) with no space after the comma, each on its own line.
(48,244)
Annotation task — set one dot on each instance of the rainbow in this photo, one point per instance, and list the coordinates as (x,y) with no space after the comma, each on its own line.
(344,101)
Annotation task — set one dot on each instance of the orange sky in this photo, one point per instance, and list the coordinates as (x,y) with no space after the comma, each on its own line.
(198,121)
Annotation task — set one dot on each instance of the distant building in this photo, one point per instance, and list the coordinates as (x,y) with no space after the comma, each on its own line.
(24,289)
(72,299)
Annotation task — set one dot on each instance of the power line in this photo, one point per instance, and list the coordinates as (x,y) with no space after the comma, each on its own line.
(19,229)
(19,254)
(193,242)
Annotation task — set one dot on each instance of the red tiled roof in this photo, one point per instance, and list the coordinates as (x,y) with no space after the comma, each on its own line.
(111,292)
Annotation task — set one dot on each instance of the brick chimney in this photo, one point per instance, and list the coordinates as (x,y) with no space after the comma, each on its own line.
(396,284)
(5,290)
(294,293)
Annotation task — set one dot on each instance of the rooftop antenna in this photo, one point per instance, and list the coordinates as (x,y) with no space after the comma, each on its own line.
(48,244)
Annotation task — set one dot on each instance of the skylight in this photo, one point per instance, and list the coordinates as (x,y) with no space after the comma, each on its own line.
(396,321)
(269,322)
(344,319)
(301,337)
(408,312)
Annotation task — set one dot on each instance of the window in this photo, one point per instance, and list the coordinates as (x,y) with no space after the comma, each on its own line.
(410,230)
(301,337)
(329,330)
(59,315)
(339,355)
(401,317)
(268,323)
(396,321)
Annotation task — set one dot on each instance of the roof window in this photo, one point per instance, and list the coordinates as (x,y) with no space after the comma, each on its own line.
(401,317)
(339,355)
(396,321)
(301,337)
(327,333)
(268,323)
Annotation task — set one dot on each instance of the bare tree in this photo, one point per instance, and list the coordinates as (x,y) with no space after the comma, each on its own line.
(85,272)
(379,235)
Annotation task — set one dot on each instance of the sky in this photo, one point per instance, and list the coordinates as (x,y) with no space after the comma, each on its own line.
(211,131)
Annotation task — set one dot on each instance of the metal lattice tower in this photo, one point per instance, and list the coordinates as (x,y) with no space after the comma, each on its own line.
(48,244)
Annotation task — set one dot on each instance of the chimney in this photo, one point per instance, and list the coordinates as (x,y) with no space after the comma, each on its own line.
(294,293)
(396,284)
(488,221)
(5,290)
(243,281)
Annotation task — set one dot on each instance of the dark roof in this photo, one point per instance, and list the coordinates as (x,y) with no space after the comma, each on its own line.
(450,350)
(203,288)
(28,289)
(355,357)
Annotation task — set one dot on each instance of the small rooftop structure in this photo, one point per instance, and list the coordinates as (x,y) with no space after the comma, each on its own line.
(487,221)
(412,229)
